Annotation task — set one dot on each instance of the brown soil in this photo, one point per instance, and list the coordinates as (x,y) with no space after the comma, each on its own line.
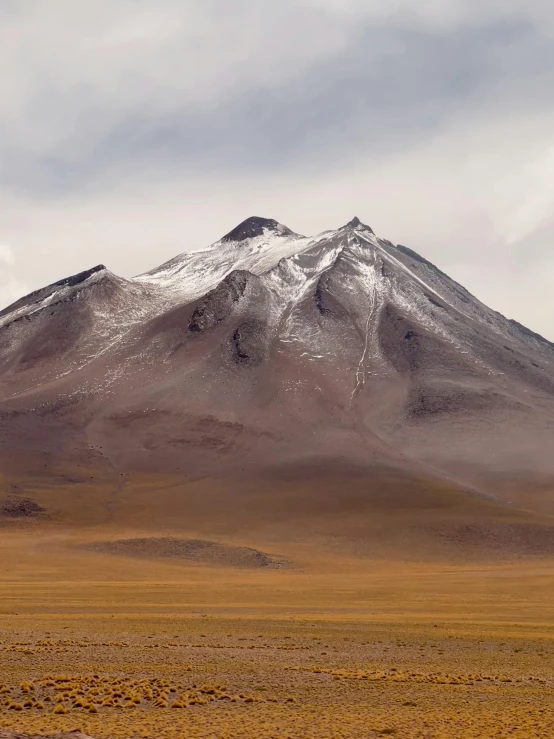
(20,508)
(193,550)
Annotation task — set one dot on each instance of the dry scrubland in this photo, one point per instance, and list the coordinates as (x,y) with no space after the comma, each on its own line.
(270,677)
(117,646)
(122,623)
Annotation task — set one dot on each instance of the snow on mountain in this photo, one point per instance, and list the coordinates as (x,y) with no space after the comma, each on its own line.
(291,268)
(190,275)
(341,343)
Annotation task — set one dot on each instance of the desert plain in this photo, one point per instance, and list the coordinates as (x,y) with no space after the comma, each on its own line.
(123,618)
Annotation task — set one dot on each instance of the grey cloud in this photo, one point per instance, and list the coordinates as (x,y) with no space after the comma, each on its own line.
(386,89)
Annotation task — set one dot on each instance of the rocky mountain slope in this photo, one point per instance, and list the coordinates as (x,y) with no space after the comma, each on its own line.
(269,350)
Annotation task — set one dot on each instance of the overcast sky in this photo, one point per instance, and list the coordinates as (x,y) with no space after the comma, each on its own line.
(132,130)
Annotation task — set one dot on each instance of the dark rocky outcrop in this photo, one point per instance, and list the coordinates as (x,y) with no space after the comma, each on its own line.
(16,507)
(250,342)
(255,226)
(356,223)
(399,341)
(218,303)
(319,297)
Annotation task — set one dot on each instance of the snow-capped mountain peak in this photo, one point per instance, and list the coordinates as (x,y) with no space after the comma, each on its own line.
(256,226)
(306,345)
(356,224)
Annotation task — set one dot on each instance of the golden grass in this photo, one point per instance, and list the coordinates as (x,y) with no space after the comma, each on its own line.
(360,638)
(248,676)
(337,648)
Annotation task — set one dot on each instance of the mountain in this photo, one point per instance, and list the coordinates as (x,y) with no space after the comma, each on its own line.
(271,355)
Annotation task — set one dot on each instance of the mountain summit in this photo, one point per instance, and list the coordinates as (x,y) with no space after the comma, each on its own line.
(356,223)
(267,350)
(255,226)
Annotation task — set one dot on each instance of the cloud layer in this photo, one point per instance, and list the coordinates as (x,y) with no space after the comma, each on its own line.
(131,130)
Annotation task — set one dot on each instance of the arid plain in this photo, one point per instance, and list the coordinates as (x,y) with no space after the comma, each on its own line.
(122,619)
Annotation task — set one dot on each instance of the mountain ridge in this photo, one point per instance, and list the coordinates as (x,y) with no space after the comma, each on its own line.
(271,348)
